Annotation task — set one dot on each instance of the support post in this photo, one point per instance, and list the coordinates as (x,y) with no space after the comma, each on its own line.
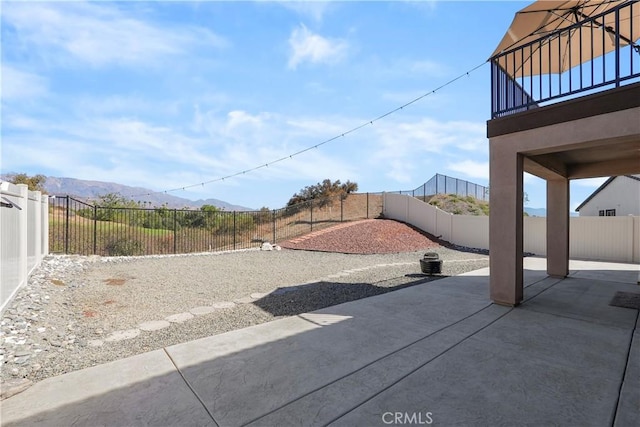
(506,225)
(558,227)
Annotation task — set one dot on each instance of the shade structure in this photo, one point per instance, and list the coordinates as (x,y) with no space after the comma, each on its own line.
(553,36)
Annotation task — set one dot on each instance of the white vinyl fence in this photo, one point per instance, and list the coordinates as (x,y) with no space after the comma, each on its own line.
(615,239)
(24,236)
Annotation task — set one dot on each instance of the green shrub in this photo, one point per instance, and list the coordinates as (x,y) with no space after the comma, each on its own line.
(124,247)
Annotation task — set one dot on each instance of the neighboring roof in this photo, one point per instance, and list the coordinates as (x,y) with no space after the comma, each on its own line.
(599,189)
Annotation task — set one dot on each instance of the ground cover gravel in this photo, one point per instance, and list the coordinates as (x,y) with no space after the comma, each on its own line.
(76,312)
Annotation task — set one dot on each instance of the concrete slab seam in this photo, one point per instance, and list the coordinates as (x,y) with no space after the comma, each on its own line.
(190,387)
(422,365)
(624,371)
(544,290)
(382,358)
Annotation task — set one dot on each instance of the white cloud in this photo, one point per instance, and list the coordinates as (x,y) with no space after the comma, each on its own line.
(399,171)
(98,34)
(21,85)
(426,136)
(406,148)
(245,140)
(311,9)
(313,48)
(121,105)
(242,118)
(471,168)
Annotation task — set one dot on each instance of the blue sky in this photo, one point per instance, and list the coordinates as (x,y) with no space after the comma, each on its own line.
(166,95)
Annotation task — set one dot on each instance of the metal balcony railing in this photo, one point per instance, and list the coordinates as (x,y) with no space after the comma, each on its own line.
(596,54)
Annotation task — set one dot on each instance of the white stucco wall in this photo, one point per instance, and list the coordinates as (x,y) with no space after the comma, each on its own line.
(622,194)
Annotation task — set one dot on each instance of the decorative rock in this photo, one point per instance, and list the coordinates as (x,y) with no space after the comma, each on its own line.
(179,318)
(258,295)
(123,335)
(199,311)
(266,246)
(223,304)
(154,325)
(20,360)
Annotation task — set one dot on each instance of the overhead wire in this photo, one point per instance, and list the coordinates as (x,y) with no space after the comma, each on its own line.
(312,147)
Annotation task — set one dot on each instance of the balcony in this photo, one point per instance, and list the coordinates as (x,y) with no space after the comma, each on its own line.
(594,54)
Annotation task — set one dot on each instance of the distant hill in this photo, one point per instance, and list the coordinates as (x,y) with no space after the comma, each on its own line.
(89,190)
(536,211)
(460,205)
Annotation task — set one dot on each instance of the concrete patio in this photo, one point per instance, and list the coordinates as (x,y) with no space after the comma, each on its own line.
(439,353)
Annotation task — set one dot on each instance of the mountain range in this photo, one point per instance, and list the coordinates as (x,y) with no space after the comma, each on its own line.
(90,190)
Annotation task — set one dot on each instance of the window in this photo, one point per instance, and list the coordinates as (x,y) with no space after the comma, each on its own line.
(601,213)
(610,212)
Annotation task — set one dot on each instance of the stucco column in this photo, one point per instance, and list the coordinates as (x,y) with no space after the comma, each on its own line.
(558,227)
(505,224)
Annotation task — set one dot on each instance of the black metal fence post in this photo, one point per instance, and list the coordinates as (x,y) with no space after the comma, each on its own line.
(311,215)
(234,230)
(66,228)
(95,229)
(367,205)
(175,230)
(274,225)
(341,209)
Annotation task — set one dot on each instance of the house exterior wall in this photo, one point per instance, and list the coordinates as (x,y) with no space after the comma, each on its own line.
(622,194)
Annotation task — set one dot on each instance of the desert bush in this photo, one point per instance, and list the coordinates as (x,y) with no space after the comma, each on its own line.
(124,247)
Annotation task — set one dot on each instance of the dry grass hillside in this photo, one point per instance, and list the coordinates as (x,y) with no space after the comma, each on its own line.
(460,205)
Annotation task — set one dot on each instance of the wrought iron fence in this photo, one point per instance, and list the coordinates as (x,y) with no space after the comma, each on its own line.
(568,62)
(77,227)
(442,184)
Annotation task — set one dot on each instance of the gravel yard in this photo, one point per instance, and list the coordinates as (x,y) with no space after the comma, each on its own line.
(77,312)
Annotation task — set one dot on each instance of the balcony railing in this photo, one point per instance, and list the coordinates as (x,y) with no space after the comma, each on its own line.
(596,54)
